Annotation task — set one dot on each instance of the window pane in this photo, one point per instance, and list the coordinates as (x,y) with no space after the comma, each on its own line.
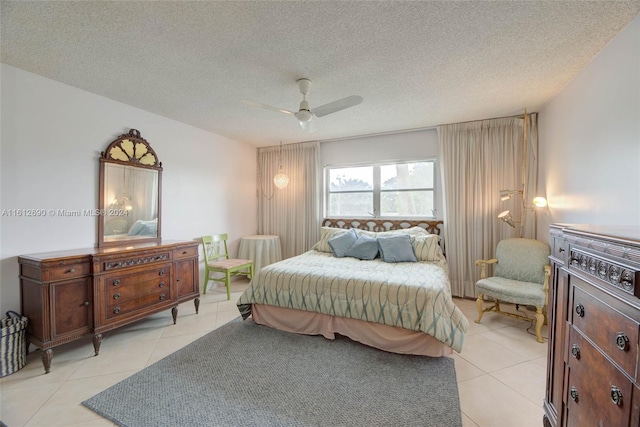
(351,179)
(407,176)
(406,203)
(350,204)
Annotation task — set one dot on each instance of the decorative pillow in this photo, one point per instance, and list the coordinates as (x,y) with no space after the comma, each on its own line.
(144,228)
(413,231)
(427,248)
(365,248)
(396,249)
(340,244)
(326,234)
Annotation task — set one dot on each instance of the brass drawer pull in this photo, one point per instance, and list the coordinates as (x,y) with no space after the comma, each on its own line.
(71,270)
(622,341)
(86,303)
(616,396)
(116,282)
(161,273)
(116,310)
(116,296)
(580,310)
(161,284)
(162,297)
(575,351)
(574,394)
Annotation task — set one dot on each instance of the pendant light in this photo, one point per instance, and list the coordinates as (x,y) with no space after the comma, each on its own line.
(281,180)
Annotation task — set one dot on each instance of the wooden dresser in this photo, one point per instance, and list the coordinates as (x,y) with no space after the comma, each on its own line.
(593,371)
(70,294)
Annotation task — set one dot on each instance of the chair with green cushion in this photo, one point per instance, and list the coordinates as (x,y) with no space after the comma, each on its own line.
(216,260)
(520,277)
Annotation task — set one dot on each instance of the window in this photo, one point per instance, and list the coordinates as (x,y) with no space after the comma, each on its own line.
(381,190)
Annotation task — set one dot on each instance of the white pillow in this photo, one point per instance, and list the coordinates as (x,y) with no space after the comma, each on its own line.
(326,234)
(413,231)
(426,247)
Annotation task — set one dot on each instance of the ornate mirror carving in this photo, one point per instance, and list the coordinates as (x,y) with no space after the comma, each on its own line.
(130,192)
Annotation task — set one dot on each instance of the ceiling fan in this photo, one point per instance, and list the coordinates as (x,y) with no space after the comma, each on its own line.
(305,114)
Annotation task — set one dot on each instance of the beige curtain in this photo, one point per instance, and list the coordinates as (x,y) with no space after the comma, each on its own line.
(295,212)
(478,159)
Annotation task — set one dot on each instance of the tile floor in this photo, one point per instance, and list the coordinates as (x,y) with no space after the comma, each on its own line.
(501,370)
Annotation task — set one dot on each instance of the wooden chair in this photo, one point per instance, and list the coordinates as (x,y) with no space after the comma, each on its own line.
(216,260)
(521,277)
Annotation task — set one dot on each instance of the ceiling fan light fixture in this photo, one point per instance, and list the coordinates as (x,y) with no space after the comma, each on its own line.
(304,115)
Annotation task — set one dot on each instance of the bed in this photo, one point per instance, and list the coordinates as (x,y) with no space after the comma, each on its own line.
(401,307)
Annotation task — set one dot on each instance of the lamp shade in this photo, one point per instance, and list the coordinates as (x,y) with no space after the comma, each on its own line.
(507,194)
(281,180)
(539,202)
(506,217)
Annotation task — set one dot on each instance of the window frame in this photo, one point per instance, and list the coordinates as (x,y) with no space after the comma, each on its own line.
(377,190)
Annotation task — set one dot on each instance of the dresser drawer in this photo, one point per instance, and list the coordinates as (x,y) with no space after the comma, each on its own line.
(186,252)
(612,331)
(133,303)
(598,393)
(560,249)
(125,278)
(69,271)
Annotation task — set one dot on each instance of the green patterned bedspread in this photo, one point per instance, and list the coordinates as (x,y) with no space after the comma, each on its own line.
(411,295)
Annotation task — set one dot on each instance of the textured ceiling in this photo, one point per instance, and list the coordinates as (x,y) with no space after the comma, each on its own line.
(416,64)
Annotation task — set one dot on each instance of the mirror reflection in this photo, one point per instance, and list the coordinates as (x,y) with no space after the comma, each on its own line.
(131,202)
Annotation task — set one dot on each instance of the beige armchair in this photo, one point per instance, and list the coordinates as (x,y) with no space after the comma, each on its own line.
(521,277)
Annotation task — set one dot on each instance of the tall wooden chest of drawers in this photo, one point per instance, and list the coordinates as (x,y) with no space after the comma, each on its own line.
(70,294)
(593,371)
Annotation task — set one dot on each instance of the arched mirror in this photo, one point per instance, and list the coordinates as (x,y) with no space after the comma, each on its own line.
(130,192)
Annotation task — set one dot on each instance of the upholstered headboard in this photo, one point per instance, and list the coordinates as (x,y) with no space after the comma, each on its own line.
(370,224)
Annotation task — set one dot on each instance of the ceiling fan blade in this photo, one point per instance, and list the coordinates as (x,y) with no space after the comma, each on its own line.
(266,107)
(338,105)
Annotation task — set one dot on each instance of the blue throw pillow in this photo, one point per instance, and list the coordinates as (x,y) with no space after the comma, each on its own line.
(365,247)
(396,249)
(340,244)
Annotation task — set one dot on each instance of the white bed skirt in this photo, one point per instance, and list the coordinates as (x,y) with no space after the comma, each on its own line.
(383,337)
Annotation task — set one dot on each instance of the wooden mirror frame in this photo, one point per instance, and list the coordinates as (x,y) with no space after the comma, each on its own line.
(140,155)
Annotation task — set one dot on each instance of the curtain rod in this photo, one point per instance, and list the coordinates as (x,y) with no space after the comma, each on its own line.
(393,132)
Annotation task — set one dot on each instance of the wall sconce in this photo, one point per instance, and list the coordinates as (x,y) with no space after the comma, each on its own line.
(506,217)
(281,180)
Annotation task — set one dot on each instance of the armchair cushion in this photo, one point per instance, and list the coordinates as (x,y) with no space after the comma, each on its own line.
(513,291)
(521,259)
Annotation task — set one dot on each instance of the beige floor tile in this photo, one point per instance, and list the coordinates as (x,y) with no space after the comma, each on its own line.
(64,408)
(114,358)
(528,379)
(467,422)
(490,403)
(489,356)
(465,370)
(518,341)
(18,405)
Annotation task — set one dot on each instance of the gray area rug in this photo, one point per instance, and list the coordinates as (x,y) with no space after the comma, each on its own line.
(244,374)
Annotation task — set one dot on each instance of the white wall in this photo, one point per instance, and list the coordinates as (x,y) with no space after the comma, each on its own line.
(415,145)
(51,138)
(589,164)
